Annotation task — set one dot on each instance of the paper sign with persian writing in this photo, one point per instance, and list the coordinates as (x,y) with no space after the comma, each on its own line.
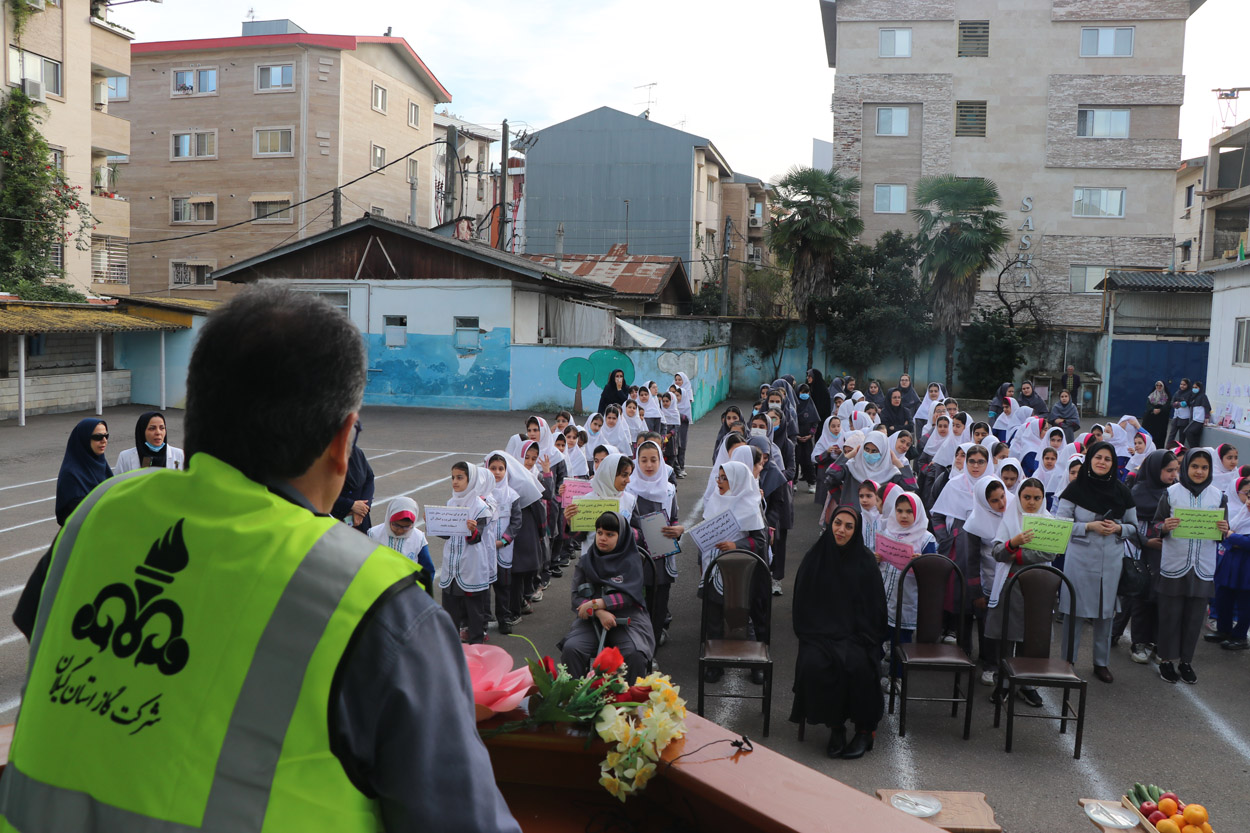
(446,520)
(573,489)
(1198,524)
(894,552)
(589,510)
(1049,534)
(658,544)
(724,527)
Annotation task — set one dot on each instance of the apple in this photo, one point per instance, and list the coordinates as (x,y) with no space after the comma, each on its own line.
(1155,817)
(1148,807)
(1171,796)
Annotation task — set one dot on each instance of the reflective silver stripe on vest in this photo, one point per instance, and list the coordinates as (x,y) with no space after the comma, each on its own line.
(239,795)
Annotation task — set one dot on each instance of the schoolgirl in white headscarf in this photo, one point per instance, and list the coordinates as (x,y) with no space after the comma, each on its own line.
(1143,447)
(827,440)
(399,532)
(957,499)
(915,535)
(1015,465)
(615,432)
(650,406)
(849,405)
(469,563)
(1007,420)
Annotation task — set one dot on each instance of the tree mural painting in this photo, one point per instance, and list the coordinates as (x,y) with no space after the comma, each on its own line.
(577,372)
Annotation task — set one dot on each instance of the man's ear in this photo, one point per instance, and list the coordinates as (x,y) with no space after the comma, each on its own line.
(340,450)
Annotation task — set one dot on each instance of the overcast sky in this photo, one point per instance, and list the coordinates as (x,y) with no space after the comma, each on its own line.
(750,75)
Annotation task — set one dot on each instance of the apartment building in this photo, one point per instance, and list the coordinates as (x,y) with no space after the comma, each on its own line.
(1225,206)
(1070,106)
(745,200)
(233,135)
(71,58)
(1187,212)
(609,177)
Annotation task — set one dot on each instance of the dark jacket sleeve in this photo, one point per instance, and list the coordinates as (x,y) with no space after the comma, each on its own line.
(28,602)
(401,723)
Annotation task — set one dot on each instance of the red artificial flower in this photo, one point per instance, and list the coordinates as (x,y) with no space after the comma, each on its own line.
(635,694)
(549,665)
(608,661)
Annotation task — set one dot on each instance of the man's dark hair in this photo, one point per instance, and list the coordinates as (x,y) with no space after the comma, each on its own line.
(283,360)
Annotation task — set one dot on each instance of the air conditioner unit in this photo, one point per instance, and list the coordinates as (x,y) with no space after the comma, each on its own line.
(755,222)
(33,89)
(100,95)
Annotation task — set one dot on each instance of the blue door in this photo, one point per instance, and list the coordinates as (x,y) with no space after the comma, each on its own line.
(1137,365)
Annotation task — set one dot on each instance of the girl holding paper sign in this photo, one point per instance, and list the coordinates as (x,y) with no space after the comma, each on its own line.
(1104,517)
(653,490)
(609,483)
(1232,577)
(1010,551)
(991,502)
(905,522)
(1158,471)
(469,559)
(515,488)
(1187,568)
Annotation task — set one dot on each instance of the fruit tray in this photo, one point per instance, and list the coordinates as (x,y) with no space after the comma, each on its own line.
(1145,824)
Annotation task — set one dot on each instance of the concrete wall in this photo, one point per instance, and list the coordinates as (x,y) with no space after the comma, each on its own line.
(1228,383)
(140,353)
(538,385)
(64,393)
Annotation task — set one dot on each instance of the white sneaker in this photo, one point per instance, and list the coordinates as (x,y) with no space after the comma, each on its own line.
(948,638)
(885,686)
(1140,654)
(776,587)
(987,677)
(811,488)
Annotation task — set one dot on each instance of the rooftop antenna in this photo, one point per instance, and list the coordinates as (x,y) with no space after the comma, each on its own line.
(1226,100)
(650,97)
(251,13)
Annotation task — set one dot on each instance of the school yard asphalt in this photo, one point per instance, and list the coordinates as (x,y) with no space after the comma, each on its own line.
(1194,740)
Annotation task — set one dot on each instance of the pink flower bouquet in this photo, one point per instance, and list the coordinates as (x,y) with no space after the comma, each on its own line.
(497,686)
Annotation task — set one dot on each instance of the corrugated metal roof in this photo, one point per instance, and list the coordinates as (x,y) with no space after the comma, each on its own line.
(643,275)
(30,319)
(1140,281)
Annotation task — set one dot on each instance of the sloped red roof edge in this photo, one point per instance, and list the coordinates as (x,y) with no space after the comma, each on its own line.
(347,42)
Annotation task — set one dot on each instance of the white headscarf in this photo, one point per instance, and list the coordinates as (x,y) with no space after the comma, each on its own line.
(514,446)
(1011,525)
(592,437)
(925,409)
(687,395)
(1007,421)
(946,454)
(913,535)
(1222,478)
(670,415)
(848,405)
(604,481)
(395,507)
(1059,477)
(860,421)
(881,471)
(1120,436)
(935,441)
(519,480)
(827,440)
(657,487)
(547,444)
(1028,438)
(956,500)
(575,455)
(742,498)
(984,520)
(636,424)
(617,435)
(650,408)
(1135,459)
(1239,518)
(477,494)
(1015,464)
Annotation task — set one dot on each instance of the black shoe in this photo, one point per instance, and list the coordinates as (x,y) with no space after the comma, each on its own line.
(999,696)
(713,673)
(757,676)
(1235,644)
(556,571)
(1215,636)
(861,743)
(512,620)
(837,742)
(1168,672)
(1030,696)
(1103,673)
(1187,673)
(663,636)
(505,628)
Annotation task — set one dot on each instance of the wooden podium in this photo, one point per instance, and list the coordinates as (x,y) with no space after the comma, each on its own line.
(550,779)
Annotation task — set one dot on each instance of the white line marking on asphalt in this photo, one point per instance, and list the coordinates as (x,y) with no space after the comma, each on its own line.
(13,637)
(31,523)
(30,551)
(414,465)
(905,767)
(410,491)
(10,705)
(9,591)
(28,503)
(1221,726)
(31,483)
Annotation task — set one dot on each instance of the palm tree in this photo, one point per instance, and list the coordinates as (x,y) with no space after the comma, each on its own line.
(817,221)
(958,237)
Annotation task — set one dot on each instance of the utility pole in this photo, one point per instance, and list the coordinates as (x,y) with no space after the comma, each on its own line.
(412,200)
(724,269)
(503,189)
(449,174)
(560,246)
(336,208)
(627,226)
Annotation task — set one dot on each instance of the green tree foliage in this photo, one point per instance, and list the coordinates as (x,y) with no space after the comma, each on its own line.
(959,235)
(816,221)
(577,372)
(38,208)
(991,350)
(879,308)
(707,300)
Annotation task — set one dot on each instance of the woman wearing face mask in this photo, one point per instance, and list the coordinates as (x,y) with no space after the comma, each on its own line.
(152,449)
(1182,412)
(875,461)
(809,429)
(1200,416)
(84,466)
(1157,472)
(1104,517)
(1187,566)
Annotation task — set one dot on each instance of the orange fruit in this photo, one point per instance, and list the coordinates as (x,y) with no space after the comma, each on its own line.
(1167,826)
(1189,828)
(1178,820)
(1195,814)
(1206,828)
(1167,806)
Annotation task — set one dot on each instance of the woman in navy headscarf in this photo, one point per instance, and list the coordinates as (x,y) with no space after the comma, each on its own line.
(84,466)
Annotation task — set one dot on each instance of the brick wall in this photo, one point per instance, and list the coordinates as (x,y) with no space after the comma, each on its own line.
(61,353)
(1067,93)
(1119,10)
(63,393)
(937,127)
(852,10)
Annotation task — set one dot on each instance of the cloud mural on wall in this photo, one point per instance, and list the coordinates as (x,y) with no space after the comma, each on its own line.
(674,363)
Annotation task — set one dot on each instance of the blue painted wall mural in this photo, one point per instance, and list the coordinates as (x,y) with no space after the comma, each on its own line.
(429,371)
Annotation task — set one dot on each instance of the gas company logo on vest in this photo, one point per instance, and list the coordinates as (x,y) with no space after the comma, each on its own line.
(140,606)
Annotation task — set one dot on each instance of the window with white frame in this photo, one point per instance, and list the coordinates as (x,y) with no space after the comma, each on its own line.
(274,141)
(894,43)
(414,170)
(395,329)
(377,156)
(29,66)
(414,115)
(1107,42)
(892,121)
(58,259)
(118,87)
(193,144)
(1098,202)
(271,210)
(1241,344)
(191,272)
(377,210)
(193,81)
(1102,123)
(193,210)
(379,98)
(468,334)
(109,259)
(57,158)
(889,199)
(1087,278)
(340,299)
(275,77)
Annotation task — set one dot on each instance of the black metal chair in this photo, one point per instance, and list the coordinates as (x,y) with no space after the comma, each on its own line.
(926,651)
(1033,666)
(734,649)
